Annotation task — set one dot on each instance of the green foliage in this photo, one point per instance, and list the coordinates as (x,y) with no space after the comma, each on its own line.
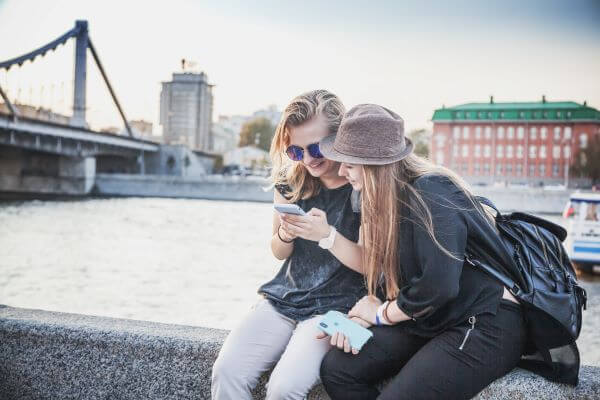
(587,161)
(420,139)
(257,132)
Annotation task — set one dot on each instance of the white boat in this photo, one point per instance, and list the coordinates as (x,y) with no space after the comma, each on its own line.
(582,213)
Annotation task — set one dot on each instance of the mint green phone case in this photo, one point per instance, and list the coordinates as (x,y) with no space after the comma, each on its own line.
(335,321)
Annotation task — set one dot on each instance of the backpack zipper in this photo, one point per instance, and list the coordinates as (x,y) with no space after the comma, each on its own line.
(472,321)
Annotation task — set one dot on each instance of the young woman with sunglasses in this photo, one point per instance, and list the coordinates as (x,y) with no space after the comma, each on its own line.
(446,329)
(316,275)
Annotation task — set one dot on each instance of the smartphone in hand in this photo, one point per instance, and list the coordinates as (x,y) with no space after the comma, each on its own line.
(293,209)
(335,321)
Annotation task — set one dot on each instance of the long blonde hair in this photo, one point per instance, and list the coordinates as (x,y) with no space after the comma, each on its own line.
(388,187)
(301,109)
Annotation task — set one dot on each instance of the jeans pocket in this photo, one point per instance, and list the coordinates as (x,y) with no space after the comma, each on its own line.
(472,322)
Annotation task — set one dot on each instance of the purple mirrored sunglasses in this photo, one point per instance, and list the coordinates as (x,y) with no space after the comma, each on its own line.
(296,153)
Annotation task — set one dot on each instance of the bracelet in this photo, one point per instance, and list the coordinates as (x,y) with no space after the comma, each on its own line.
(380,318)
(280,238)
(385,314)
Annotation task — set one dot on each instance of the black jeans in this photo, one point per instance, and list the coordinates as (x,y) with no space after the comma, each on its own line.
(453,365)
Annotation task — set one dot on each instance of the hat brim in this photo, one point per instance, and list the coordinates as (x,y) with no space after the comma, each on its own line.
(327,149)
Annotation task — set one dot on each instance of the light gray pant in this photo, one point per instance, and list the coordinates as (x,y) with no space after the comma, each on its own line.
(265,338)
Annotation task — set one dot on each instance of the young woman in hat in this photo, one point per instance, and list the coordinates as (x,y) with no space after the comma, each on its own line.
(316,275)
(445,329)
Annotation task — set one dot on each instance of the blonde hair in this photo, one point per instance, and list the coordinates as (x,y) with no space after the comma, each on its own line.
(301,109)
(381,235)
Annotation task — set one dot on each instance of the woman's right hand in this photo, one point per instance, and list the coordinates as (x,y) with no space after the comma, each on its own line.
(341,341)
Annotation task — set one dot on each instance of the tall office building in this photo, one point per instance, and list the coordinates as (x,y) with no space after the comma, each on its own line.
(186,105)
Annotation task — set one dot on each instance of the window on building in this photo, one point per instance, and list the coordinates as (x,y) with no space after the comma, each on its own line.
(555,169)
(439,158)
(480,114)
(510,132)
(488,132)
(476,169)
(520,132)
(509,169)
(477,150)
(464,168)
(456,132)
(542,151)
(558,114)
(532,151)
(519,169)
(556,152)
(499,169)
(521,114)
(440,139)
(568,114)
(531,169)
(557,133)
(533,133)
(465,132)
(500,132)
(543,133)
(583,140)
(567,151)
(499,151)
(455,150)
(477,132)
(486,169)
(567,132)
(542,169)
(487,151)
(519,151)
(545,114)
(509,151)
(465,150)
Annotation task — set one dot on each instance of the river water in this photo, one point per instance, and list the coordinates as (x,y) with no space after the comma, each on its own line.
(182,261)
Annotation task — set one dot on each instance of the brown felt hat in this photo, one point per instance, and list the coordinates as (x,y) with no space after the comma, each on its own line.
(368,134)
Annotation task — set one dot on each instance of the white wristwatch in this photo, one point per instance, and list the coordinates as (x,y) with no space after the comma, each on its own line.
(327,243)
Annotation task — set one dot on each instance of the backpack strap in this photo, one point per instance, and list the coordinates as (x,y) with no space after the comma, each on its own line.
(511,285)
(488,202)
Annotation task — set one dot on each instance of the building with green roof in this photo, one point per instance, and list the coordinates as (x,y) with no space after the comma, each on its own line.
(515,142)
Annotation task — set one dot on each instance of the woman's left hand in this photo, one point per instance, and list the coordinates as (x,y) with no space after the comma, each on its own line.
(366,309)
(313,226)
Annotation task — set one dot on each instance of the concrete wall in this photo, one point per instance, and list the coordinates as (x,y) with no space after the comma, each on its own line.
(215,187)
(533,200)
(22,171)
(51,355)
(177,160)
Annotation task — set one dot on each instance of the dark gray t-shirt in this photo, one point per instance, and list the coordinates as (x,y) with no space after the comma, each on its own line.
(312,281)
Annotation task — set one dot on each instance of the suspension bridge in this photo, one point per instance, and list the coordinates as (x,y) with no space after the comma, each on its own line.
(49,157)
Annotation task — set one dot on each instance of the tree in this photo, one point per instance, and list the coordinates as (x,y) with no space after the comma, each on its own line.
(587,161)
(420,139)
(257,132)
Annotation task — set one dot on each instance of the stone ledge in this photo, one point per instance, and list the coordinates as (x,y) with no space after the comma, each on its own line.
(49,355)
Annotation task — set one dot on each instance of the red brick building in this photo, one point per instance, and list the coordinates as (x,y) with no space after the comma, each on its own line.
(533,143)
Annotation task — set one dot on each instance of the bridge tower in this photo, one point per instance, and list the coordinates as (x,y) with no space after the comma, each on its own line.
(81,46)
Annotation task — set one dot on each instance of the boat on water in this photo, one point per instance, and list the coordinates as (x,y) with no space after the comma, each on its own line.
(582,213)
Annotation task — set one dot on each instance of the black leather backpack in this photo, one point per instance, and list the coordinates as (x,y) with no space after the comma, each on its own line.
(542,278)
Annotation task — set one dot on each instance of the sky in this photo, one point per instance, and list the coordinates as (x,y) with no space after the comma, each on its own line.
(410,56)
